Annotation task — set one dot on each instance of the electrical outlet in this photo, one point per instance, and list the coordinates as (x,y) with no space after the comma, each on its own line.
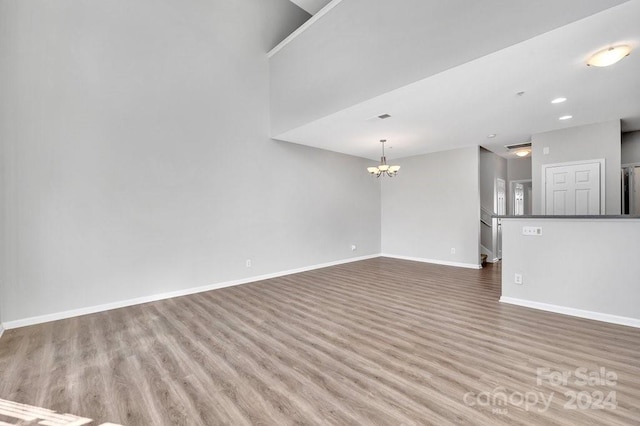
(353,247)
(453,250)
(518,279)
(248,263)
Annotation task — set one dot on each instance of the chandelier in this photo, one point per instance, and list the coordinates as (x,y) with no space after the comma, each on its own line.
(383,168)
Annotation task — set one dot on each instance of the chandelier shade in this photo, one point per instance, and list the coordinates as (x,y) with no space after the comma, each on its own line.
(383,168)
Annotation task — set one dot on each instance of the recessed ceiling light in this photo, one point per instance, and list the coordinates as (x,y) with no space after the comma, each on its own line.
(566,117)
(609,56)
(523,153)
(491,136)
(558,100)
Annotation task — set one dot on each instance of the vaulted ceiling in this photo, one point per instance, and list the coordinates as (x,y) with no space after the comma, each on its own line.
(311,6)
(451,73)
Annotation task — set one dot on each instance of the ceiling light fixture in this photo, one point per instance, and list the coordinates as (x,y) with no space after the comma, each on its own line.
(566,117)
(383,168)
(609,56)
(558,100)
(523,153)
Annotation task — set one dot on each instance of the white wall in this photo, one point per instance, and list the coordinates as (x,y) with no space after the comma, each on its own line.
(631,147)
(585,267)
(487,179)
(501,168)
(138,161)
(364,48)
(3,208)
(433,205)
(492,167)
(590,142)
(487,192)
(519,168)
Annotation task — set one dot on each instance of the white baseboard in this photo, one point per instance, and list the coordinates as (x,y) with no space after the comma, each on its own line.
(598,316)
(1,330)
(153,298)
(435,261)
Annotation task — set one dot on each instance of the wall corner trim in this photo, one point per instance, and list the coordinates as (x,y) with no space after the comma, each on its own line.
(434,261)
(303,27)
(580,313)
(1,329)
(162,296)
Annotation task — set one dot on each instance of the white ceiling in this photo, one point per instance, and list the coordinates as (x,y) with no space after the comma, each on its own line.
(462,105)
(311,6)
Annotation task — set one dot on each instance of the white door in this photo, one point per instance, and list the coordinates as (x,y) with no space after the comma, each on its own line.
(572,189)
(518,199)
(501,209)
(501,197)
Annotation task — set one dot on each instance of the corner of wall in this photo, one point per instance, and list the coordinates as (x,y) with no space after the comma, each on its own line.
(422,222)
(630,147)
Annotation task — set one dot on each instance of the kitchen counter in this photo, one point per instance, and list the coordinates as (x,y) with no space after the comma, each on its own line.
(586,266)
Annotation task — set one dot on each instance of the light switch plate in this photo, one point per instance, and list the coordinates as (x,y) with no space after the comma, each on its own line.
(532,230)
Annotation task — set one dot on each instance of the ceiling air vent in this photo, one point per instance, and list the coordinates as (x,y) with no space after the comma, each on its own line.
(518,145)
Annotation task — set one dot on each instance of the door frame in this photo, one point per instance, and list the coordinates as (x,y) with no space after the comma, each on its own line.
(495,196)
(624,166)
(603,178)
(511,207)
(622,169)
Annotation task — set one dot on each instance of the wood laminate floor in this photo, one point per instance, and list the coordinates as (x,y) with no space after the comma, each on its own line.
(377,342)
